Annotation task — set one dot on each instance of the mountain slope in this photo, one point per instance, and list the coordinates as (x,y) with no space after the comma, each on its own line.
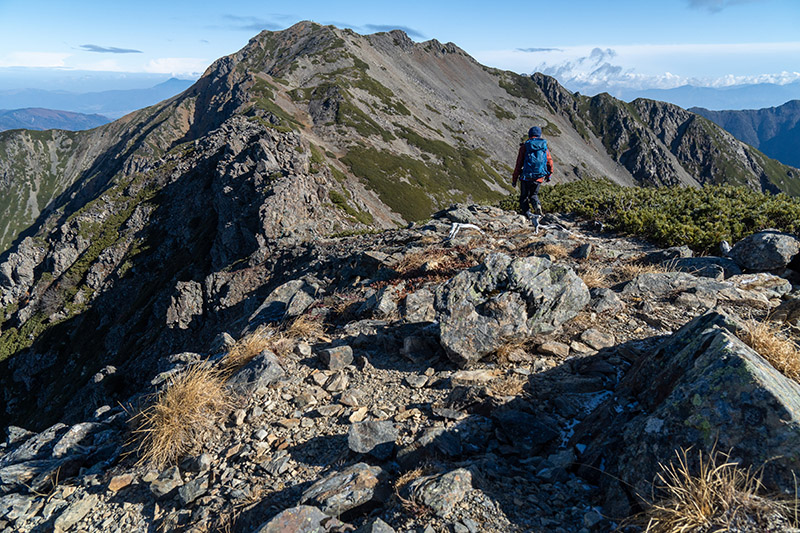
(775,130)
(148,236)
(37,118)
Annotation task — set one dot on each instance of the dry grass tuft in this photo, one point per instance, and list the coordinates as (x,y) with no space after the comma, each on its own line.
(556,251)
(720,497)
(774,345)
(512,385)
(270,338)
(507,348)
(629,271)
(182,415)
(432,258)
(593,276)
(413,507)
(246,349)
(305,327)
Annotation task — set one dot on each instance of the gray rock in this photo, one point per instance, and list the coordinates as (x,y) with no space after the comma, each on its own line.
(345,490)
(38,446)
(222,342)
(185,305)
(597,339)
(35,474)
(15,506)
(167,481)
(201,463)
(702,388)
(788,311)
(300,519)
(419,306)
(287,301)
(708,267)
(72,439)
(75,512)
(583,251)
(766,250)
(192,490)
(441,492)
(337,382)
(376,526)
(264,370)
(552,348)
(668,255)
(375,436)
(16,434)
(505,298)
(605,300)
(336,357)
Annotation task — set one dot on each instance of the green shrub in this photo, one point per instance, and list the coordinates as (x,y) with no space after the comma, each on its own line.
(698,217)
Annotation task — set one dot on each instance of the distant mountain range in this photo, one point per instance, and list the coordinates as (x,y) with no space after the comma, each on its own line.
(775,130)
(36,118)
(113,104)
(752,96)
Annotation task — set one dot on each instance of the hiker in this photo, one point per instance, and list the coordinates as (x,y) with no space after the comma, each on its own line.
(534,167)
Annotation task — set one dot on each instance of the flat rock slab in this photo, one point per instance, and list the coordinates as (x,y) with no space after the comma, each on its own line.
(374,436)
(300,519)
(75,512)
(702,388)
(345,490)
(502,299)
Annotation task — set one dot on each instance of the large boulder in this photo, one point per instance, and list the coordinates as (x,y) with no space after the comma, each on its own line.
(505,298)
(702,388)
(766,250)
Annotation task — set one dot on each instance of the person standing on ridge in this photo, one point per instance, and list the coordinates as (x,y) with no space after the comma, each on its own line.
(534,167)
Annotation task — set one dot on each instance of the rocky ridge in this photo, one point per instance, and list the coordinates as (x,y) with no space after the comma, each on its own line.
(379,422)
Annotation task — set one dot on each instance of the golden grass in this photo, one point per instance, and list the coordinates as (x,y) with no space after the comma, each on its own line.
(270,338)
(593,276)
(182,416)
(774,345)
(428,259)
(720,496)
(246,349)
(512,385)
(629,271)
(507,348)
(556,251)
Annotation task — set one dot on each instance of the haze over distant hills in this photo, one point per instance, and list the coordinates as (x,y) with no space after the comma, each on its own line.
(775,130)
(112,103)
(36,118)
(735,97)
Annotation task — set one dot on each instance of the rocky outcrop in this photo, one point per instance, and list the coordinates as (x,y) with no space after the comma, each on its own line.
(702,389)
(505,299)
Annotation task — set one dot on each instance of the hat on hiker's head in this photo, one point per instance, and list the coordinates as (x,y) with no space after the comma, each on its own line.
(535,131)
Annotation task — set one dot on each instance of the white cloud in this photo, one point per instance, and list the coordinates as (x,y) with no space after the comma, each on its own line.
(177,65)
(656,66)
(34,59)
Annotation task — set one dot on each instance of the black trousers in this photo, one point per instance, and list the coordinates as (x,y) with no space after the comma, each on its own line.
(529,193)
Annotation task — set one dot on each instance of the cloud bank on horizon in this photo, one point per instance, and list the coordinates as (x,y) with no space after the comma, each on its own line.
(576,46)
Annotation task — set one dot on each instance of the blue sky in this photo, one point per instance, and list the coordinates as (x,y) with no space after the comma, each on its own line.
(642,43)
